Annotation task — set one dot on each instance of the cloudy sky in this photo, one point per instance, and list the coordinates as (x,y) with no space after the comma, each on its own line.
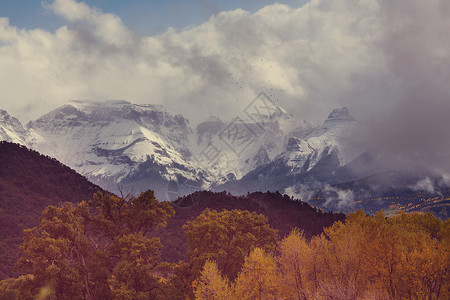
(387,60)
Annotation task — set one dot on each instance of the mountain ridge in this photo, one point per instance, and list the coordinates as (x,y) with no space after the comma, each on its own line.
(124,146)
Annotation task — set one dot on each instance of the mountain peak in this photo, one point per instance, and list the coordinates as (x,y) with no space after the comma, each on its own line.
(339,114)
(89,106)
(4,116)
(90,111)
(11,129)
(87,101)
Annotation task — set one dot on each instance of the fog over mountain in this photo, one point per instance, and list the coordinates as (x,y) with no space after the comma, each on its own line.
(416,52)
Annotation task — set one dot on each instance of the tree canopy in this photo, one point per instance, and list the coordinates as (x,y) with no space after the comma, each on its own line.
(227,237)
(95,250)
(406,256)
(103,249)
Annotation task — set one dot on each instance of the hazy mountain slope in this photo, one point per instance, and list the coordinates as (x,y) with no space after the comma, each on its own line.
(314,156)
(240,146)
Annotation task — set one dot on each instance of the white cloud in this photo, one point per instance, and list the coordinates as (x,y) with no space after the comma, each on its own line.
(301,192)
(73,11)
(335,198)
(341,199)
(107,27)
(424,185)
(304,57)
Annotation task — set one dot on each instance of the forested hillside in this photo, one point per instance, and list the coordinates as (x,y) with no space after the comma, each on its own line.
(283,213)
(29,182)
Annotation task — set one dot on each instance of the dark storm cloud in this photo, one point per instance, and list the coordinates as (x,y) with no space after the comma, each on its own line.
(415,89)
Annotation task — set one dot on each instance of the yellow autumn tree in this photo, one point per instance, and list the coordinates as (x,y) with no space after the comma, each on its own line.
(227,237)
(340,259)
(374,257)
(258,277)
(296,267)
(212,285)
(426,255)
(406,256)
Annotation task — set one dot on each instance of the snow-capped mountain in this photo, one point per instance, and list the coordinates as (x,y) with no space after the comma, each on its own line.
(303,153)
(131,148)
(119,145)
(312,154)
(240,146)
(11,130)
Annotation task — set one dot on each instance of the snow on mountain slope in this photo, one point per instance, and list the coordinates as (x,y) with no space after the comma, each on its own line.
(11,130)
(240,146)
(117,143)
(138,147)
(312,154)
(302,154)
